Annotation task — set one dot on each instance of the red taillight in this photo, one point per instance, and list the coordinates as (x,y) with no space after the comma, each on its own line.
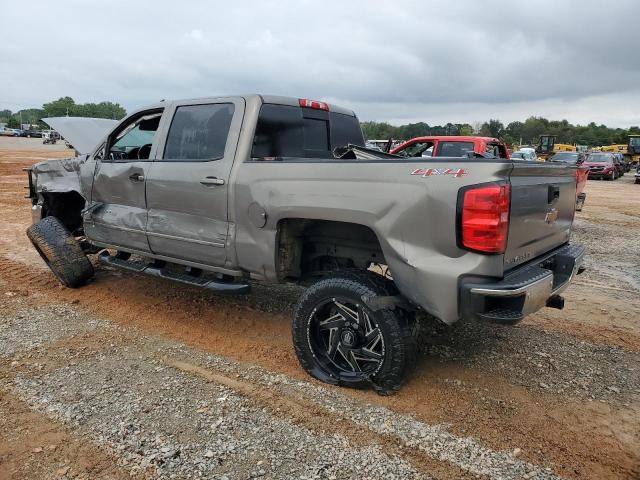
(485,218)
(305,103)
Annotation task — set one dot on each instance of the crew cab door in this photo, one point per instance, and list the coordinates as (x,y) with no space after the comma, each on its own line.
(118,214)
(188,184)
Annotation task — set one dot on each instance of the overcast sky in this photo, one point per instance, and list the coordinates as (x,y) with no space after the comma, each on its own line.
(400,61)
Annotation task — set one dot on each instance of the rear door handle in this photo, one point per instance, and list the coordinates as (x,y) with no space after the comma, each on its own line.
(136,177)
(211,181)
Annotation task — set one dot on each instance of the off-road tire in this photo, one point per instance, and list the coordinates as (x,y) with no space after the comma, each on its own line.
(399,331)
(61,252)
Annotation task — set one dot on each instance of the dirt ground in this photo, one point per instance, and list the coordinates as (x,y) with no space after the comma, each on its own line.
(94,380)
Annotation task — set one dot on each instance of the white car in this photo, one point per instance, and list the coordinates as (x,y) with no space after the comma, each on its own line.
(528,154)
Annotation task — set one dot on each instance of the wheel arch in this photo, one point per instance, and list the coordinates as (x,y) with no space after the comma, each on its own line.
(66,206)
(308,247)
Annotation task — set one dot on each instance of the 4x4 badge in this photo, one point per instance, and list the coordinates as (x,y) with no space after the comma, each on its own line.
(430,172)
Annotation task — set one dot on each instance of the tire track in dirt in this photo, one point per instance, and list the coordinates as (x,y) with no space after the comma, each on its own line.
(305,412)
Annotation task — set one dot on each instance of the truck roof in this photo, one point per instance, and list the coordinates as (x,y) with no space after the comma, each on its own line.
(275,99)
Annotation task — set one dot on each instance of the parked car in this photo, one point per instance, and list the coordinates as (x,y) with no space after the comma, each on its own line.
(50,136)
(249,188)
(452,146)
(531,151)
(33,133)
(7,132)
(528,155)
(618,159)
(19,132)
(601,165)
(582,172)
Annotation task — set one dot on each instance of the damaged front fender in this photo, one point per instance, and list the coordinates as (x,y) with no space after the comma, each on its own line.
(55,185)
(58,175)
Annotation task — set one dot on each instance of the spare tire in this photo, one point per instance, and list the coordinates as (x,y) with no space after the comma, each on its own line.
(61,252)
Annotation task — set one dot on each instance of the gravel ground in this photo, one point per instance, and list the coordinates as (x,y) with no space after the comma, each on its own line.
(31,328)
(152,402)
(548,363)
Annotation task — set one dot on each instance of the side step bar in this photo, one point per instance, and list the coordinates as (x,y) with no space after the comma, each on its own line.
(155,270)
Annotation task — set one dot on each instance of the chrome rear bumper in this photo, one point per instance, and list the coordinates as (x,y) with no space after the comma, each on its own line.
(524,290)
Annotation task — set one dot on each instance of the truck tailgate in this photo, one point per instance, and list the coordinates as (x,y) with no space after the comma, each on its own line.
(543,197)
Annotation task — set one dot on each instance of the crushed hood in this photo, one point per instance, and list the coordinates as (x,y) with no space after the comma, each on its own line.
(81,132)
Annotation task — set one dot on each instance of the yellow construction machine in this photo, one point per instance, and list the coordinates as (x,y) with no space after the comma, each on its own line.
(547,146)
(630,151)
(617,148)
(633,150)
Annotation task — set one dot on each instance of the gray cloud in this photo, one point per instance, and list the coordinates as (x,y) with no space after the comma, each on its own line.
(402,61)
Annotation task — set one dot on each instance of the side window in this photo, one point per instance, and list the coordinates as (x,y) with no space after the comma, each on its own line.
(279,132)
(492,149)
(289,131)
(418,149)
(133,141)
(454,149)
(199,132)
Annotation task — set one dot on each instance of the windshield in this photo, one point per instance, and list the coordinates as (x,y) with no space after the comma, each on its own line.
(634,141)
(599,158)
(545,142)
(133,138)
(454,149)
(565,157)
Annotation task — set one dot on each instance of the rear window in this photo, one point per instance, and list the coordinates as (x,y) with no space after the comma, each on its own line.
(454,149)
(199,132)
(288,131)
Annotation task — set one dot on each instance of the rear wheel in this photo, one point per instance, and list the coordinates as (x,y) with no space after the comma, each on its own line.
(338,339)
(61,252)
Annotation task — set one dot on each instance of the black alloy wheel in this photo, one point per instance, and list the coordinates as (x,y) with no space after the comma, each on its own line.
(340,340)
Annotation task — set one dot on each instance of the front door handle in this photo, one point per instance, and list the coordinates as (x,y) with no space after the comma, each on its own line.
(136,177)
(211,181)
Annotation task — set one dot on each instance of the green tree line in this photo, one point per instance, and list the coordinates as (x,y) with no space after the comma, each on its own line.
(523,133)
(64,106)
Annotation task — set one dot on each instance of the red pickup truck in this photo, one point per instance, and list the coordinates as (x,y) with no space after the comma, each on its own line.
(451,146)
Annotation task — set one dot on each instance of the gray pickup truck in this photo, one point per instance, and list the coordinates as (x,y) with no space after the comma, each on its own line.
(220,192)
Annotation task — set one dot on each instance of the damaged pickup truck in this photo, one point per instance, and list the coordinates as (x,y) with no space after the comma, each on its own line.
(220,192)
